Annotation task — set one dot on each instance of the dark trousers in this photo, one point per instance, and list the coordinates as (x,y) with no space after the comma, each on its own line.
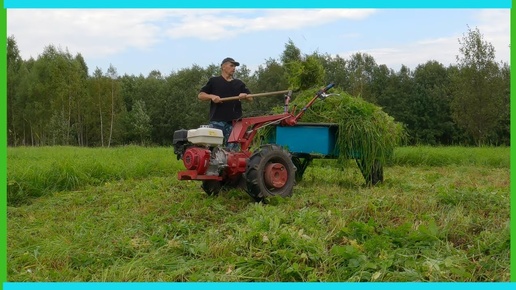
(226,128)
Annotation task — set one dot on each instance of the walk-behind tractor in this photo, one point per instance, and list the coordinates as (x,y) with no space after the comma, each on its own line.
(270,170)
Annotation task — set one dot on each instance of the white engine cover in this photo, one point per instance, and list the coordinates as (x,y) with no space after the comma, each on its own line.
(205,136)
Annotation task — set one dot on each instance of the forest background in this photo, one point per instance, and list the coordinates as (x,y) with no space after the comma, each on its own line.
(56,99)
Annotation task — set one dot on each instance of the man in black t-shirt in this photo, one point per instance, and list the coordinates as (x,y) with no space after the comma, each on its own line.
(216,89)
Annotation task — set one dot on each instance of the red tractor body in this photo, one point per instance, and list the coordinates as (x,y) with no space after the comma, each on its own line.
(267,172)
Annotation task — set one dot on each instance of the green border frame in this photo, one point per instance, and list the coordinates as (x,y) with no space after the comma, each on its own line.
(3,145)
(513,173)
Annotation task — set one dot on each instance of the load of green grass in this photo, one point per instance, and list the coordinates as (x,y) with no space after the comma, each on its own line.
(366,132)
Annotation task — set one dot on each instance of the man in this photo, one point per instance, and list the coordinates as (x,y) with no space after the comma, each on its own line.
(216,89)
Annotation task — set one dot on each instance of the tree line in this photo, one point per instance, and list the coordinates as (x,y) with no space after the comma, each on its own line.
(54,100)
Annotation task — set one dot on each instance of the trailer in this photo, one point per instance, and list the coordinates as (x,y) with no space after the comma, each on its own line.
(308,141)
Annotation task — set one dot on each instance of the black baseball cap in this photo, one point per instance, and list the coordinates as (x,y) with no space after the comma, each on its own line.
(231,60)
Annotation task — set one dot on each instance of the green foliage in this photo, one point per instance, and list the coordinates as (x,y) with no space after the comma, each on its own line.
(479,94)
(125,217)
(302,72)
(334,69)
(16,75)
(269,77)
(305,74)
(136,123)
(291,54)
(183,110)
(52,99)
(430,105)
(361,68)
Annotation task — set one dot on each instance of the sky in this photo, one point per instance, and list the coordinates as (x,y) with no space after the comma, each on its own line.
(138,41)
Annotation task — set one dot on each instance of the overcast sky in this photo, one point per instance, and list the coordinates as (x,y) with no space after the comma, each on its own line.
(137,41)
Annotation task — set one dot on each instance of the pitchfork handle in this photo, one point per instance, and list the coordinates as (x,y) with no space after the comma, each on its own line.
(255,95)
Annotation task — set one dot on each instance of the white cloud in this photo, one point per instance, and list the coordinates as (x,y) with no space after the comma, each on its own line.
(91,32)
(102,32)
(493,24)
(442,50)
(230,23)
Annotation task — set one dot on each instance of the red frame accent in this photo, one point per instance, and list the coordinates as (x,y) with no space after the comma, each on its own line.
(245,129)
(194,175)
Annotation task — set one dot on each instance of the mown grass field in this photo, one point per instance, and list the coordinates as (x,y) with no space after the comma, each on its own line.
(80,214)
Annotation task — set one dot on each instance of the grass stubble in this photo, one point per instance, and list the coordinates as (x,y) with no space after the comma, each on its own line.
(442,214)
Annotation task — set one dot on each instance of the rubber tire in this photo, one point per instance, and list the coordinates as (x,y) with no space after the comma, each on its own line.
(255,179)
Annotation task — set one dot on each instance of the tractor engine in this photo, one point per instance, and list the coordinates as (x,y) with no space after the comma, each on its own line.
(197,158)
(204,158)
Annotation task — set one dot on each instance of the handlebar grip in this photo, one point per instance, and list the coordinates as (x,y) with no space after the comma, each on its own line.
(331,85)
(321,91)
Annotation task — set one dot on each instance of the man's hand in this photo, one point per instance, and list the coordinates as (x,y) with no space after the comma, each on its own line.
(245,96)
(216,99)
(209,97)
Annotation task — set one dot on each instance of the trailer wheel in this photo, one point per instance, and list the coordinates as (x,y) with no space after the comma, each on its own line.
(270,172)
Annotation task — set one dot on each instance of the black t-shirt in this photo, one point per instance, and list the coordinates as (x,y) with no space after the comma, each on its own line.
(225,111)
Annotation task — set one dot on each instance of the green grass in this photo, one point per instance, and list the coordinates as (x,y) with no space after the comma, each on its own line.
(122,215)
(33,172)
(498,157)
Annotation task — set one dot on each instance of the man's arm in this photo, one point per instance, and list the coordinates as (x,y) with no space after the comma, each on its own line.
(209,97)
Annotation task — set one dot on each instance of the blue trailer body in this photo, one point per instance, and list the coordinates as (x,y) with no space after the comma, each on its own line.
(306,141)
(307,138)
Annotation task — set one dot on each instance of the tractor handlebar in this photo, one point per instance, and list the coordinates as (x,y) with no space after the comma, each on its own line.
(325,89)
(331,85)
(321,94)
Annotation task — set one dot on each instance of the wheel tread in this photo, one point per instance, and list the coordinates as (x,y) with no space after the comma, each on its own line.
(255,184)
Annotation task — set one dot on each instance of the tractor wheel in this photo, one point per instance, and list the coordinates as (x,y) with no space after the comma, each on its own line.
(270,172)
(211,187)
